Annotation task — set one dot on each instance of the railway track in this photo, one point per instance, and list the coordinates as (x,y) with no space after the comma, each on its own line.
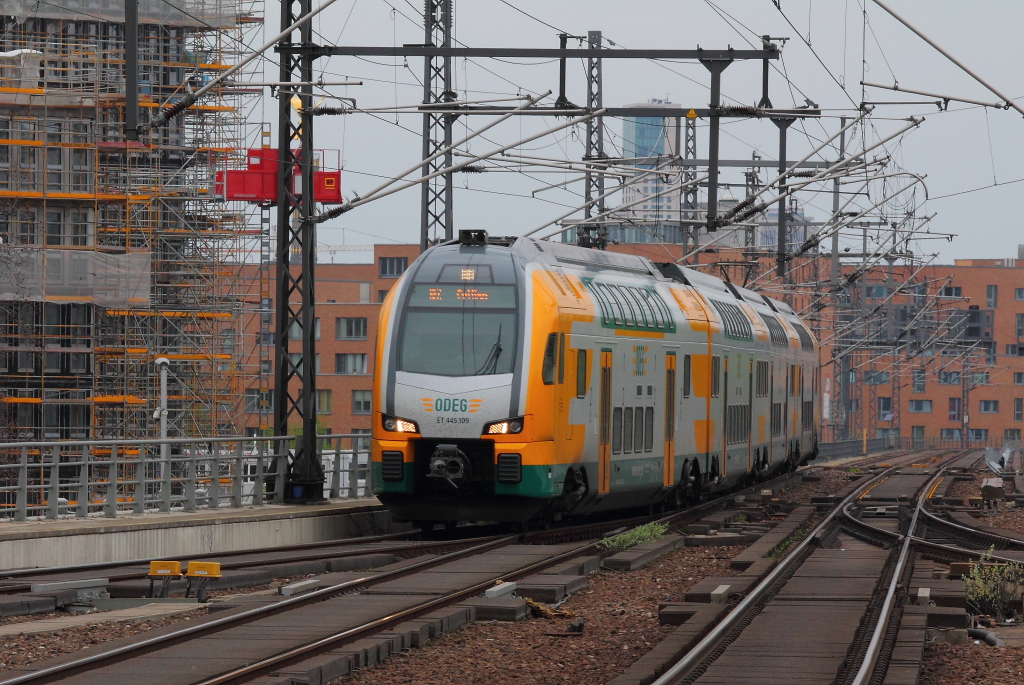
(342,613)
(835,592)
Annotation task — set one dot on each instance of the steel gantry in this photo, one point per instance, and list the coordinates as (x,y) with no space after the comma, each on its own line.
(295,373)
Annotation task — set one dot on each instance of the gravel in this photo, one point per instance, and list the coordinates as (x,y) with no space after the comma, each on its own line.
(23,649)
(832,481)
(964,489)
(1007,519)
(972,664)
(621,615)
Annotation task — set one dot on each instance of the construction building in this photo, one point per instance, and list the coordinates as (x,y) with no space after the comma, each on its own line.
(115,252)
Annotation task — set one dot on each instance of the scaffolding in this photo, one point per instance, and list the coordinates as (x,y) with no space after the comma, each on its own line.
(115,253)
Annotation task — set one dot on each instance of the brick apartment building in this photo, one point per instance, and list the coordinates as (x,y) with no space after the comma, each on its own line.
(936,394)
(348,298)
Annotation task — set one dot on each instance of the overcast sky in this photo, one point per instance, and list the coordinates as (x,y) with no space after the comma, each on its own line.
(965,148)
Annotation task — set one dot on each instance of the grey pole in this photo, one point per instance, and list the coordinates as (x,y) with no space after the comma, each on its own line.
(716,67)
(835,213)
(21,504)
(781,238)
(131,69)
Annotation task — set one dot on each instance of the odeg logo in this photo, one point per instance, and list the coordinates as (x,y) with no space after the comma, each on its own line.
(450,404)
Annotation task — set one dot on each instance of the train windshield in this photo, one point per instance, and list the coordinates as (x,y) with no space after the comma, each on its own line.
(459,330)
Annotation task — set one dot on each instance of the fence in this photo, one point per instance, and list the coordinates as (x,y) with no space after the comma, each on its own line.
(827,451)
(108,477)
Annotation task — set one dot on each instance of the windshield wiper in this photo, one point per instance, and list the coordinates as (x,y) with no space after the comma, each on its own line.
(491,363)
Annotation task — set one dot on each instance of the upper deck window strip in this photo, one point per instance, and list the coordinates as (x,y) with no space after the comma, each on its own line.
(737,325)
(630,306)
(805,337)
(775,329)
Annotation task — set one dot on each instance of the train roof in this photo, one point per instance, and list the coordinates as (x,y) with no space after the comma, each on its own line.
(601,260)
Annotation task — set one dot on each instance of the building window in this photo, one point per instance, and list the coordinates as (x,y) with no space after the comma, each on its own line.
(350,327)
(350,363)
(257,402)
(876,377)
(917,380)
(980,378)
(954,408)
(917,435)
(1018,293)
(381,296)
(1018,378)
(991,293)
(393,267)
(1011,434)
(952,291)
(361,401)
(978,434)
(323,402)
(949,377)
(1011,350)
(316,328)
(876,292)
(1018,408)
(295,331)
(988,406)
(1020,325)
(950,434)
(920,406)
(884,408)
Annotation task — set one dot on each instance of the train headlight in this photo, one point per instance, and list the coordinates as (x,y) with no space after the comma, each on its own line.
(504,427)
(393,424)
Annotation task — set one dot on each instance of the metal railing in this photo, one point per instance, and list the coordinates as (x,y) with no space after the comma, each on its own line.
(110,477)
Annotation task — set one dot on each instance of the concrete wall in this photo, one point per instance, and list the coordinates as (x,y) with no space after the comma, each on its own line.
(43,545)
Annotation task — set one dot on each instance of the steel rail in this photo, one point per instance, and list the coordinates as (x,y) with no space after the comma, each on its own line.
(73,568)
(692,658)
(145,646)
(423,547)
(283,659)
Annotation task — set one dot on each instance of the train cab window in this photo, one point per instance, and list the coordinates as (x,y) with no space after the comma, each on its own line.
(547,372)
(686,376)
(617,430)
(581,373)
(627,430)
(716,376)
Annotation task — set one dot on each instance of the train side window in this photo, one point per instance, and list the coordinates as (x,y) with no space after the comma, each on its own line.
(547,373)
(686,376)
(617,430)
(648,429)
(638,430)
(581,373)
(561,358)
(716,376)
(627,430)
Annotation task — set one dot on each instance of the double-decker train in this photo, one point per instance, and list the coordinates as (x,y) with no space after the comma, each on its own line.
(522,381)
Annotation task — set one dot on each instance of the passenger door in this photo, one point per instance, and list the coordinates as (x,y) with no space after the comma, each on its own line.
(604,441)
(668,476)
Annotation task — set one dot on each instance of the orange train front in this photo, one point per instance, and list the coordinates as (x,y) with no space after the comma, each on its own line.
(522,381)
